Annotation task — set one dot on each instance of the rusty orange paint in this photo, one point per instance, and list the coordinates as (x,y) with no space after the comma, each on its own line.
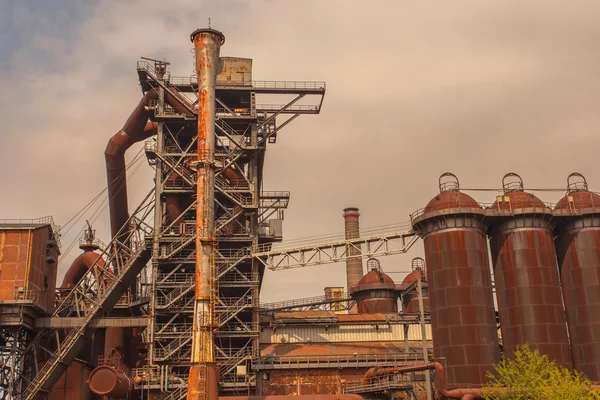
(203,378)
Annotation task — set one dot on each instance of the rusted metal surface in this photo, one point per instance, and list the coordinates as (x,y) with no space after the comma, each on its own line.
(375,292)
(526,275)
(236,71)
(460,291)
(294,397)
(354,266)
(302,382)
(28,265)
(204,374)
(72,384)
(577,231)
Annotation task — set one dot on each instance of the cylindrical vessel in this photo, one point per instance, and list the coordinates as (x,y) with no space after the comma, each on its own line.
(526,275)
(354,266)
(106,380)
(577,239)
(204,376)
(463,320)
(375,292)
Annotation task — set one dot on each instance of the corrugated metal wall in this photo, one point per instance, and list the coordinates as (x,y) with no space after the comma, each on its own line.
(342,333)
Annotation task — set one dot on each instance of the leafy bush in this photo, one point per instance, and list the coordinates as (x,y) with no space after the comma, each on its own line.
(531,376)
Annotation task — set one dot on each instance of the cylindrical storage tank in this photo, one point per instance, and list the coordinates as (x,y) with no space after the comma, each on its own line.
(410,296)
(107,380)
(526,275)
(375,292)
(463,319)
(577,240)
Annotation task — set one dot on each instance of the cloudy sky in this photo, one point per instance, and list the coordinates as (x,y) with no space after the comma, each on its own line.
(414,89)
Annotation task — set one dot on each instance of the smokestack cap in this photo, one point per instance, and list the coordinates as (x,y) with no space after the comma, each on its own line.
(350,210)
(208,30)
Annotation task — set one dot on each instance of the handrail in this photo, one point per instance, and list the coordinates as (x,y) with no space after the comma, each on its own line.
(23,222)
(303,301)
(343,359)
(193,80)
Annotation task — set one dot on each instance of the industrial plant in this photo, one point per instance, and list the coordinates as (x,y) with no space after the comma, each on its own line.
(169,307)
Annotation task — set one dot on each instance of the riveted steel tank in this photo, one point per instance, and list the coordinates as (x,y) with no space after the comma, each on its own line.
(526,274)
(376,291)
(463,319)
(577,240)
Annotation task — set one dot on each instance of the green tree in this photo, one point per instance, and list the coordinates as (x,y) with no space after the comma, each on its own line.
(531,376)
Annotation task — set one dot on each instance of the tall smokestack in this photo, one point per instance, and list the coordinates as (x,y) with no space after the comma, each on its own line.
(354,266)
(203,380)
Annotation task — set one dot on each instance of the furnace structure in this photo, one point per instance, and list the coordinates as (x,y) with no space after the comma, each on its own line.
(210,208)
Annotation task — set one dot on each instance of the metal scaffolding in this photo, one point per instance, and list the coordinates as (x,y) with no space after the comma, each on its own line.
(244,217)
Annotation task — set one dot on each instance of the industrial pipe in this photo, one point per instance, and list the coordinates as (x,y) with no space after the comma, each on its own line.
(464,394)
(136,128)
(354,266)
(299,397)
(203,379)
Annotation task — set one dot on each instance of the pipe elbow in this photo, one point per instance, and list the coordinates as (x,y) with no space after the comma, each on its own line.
(80,267)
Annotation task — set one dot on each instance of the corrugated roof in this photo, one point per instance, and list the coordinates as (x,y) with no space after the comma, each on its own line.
(313,314)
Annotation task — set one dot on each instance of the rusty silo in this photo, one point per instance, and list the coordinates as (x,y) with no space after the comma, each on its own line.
(526,275)
(460,288)
(577,230)
(376,291)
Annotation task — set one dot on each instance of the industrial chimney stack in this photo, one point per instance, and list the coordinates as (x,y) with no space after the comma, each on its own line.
(204,373)
(354,266)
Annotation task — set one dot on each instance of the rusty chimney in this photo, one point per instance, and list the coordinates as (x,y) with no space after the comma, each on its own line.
(204,373)
(354,266)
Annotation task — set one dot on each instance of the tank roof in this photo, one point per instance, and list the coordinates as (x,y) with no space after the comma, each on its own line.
(451,200)
(517,199)
(578,198)
(411,278)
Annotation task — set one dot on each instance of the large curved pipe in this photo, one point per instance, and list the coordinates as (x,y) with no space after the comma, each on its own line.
(136,128)
(79,267)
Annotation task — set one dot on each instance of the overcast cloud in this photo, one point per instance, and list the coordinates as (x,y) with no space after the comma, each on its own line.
(414,89)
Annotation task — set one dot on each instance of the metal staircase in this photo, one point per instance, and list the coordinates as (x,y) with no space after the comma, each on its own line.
(94,296)
(177,394)
(164,353)
(177,293)
(228,364)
